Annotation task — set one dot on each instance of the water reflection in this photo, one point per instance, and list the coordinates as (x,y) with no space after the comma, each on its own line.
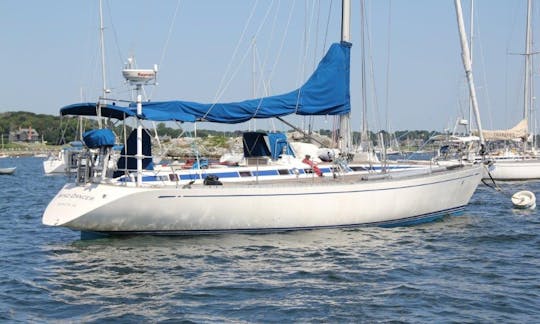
(154,276)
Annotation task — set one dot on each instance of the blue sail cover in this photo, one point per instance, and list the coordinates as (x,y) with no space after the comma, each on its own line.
(326,92)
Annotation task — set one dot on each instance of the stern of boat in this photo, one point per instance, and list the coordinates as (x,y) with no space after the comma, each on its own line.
(75,201)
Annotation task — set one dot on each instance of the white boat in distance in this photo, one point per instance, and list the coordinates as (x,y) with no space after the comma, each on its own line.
(64,161)
(54,164)
(10,170)
(523,164)
(132,200)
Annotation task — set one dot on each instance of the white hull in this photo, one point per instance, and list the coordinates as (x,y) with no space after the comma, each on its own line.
(10,170)
(515,170)
(54,166)
(505,169)
(124,209)
(64,161)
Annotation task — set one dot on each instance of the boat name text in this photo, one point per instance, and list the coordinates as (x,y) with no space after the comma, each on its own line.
(76,196)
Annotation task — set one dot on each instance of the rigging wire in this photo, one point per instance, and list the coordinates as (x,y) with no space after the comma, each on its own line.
(335,123)
(303,58)
(115,34)
(246,53)
(264,63)
(363,69)
(327,27)
(484,75)
(508,44)
(372,75)
(312,118)
(317,33)
(243,57)
(265,86)
(87,71)
(166,45)
(307,31)
(278,56)
(240,40)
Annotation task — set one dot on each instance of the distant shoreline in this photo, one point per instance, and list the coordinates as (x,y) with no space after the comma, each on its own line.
(26,152)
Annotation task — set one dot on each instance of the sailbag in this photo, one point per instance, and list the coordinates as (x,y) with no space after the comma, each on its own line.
(518,131)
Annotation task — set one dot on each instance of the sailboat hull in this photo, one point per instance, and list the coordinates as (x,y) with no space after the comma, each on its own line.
(10,170)
(202,209)
(508,170)
(54,166)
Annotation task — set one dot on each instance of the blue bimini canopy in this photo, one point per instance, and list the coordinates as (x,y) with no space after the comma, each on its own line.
(91,109)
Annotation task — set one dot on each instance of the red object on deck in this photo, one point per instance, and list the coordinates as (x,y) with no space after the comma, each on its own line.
(313,166)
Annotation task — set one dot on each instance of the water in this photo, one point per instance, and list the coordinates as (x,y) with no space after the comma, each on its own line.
(479,267)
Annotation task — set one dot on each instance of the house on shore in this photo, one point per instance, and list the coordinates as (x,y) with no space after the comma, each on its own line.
(24,135)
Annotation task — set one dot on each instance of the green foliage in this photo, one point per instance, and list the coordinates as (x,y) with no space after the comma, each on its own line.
(163,130)
(53,129)
(210,132)
(217,141)
(59,130)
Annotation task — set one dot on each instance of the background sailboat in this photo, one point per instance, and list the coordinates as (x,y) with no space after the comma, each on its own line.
(509,150)
(521,161)
(6,170)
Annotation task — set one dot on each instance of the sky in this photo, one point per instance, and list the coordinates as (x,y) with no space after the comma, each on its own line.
(50,55)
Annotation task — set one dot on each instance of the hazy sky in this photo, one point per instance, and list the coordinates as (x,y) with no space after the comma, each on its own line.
(50,55)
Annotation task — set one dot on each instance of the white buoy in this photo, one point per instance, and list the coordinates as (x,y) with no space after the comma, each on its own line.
(524,200)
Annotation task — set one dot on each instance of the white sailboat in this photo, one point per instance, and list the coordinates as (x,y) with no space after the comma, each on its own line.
(521,163)
(5,170)
(506,149)
(256,198)
(2,154)
(65,161)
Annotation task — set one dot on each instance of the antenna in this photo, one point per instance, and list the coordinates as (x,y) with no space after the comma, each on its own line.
(139,77)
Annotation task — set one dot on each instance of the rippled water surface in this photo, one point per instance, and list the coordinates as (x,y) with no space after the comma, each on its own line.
(479,267)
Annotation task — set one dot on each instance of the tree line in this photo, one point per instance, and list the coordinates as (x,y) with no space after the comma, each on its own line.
(56,130)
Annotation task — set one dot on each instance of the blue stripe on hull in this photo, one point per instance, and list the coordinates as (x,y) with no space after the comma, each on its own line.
(409,221)
(201,174)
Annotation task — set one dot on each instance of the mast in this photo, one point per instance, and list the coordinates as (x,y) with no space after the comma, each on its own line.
(102,41)
(471,37)
(364,135)
(103,72)
(253,77)
(466,57)
(527,91)
(344,120)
